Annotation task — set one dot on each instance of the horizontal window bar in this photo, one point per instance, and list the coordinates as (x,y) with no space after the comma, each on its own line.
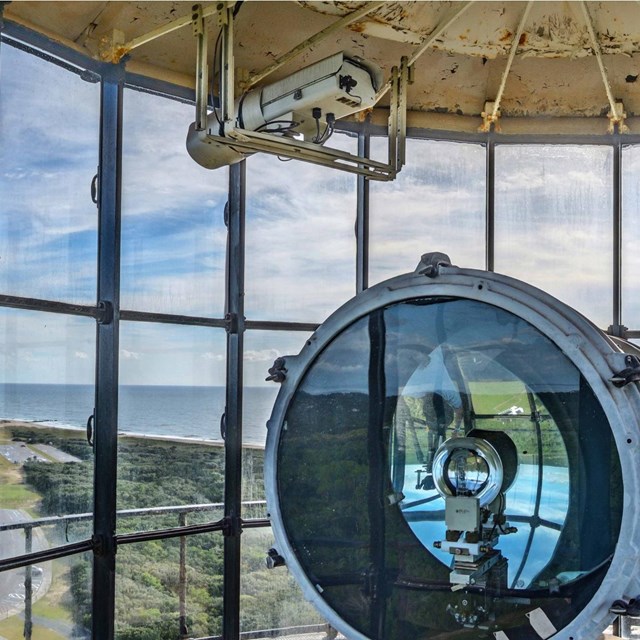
(203,321)
(127,538)
(48,554)
(277,633)
(50,306)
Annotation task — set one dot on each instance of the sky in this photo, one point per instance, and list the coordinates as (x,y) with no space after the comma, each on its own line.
(553,208)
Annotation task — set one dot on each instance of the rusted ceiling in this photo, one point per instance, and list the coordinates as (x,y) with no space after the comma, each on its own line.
(554,73)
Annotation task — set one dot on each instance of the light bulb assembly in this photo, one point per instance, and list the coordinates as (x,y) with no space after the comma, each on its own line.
(453,454)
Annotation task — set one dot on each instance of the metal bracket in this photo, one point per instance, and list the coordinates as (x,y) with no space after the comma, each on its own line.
(231,526)
(243,141)
(630,374)
(274,559)
(617,330)
(278,372)
(430,264)
(105,312)
(617,118)
(102,546)
(490,116)
(231,322)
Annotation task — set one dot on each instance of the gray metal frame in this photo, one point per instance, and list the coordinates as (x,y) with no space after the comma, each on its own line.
(589,349)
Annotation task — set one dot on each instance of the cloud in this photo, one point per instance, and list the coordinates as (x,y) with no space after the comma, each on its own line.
(82,355)
(129,355)
(261,355)
(218,357)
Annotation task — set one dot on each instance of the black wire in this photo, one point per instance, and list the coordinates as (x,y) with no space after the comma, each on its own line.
(291,125)
(236,8)
(213,76)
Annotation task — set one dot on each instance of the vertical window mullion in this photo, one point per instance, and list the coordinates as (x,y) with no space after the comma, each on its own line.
(233,409)
(490,204)
(362,216)
(106,397)
(617,328)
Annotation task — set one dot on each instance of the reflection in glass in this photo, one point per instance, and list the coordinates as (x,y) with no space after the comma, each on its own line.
(300,220)
(553,215)
(437,203)
(393,439)
(48,157)
(173,232)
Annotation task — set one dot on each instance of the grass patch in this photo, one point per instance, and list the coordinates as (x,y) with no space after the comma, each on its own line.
(17,496)
(13,629)
(51,604)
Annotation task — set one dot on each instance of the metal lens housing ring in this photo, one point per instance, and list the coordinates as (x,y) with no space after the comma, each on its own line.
(479,447)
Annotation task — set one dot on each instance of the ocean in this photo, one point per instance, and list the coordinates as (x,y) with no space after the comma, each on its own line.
(177,411)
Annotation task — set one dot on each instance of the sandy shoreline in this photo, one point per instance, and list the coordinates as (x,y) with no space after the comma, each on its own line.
(129,435)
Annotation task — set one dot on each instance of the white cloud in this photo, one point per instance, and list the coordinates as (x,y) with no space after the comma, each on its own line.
(217,357)
(82,355)
(261,355)
(129,355)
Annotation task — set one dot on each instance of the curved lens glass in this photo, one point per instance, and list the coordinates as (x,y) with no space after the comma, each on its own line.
(465,472)
(357,468)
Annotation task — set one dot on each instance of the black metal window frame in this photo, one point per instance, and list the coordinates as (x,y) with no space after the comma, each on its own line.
(107,313)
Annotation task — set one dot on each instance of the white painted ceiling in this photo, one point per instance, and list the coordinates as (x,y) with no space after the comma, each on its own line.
(555,72)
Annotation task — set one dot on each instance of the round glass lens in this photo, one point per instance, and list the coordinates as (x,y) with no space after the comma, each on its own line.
(466,473)
(388,552)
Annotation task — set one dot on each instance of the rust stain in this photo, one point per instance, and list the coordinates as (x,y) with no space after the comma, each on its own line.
(523,40)
(507,35)
(358,27)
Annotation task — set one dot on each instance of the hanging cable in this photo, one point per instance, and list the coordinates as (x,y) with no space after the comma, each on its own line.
(617,115)
(492,118)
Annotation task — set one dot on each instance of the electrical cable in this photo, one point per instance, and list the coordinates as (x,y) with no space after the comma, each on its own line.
(292,124)
(213,76)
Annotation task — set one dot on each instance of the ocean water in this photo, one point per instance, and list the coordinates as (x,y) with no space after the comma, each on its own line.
(180,411)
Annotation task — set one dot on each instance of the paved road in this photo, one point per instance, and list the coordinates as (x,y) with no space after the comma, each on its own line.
(18,453)
(12,582)
(53,452)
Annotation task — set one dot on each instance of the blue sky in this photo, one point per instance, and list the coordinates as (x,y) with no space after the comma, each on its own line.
(552,207)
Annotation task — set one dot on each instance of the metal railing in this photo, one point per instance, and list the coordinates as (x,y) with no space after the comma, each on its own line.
(182,531)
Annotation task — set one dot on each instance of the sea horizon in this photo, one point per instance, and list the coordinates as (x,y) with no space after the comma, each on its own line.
(174,411)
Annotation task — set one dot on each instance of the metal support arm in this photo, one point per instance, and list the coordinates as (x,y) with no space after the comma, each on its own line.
(244,141)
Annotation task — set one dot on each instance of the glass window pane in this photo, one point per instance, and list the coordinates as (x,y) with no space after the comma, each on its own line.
(171,400)
(553,221)
(168,589)
(49,119)
(60,596)
(630,237)
(270,599)
(173,232)
(261,348)
(437,203)
(47,364)
(301,249)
